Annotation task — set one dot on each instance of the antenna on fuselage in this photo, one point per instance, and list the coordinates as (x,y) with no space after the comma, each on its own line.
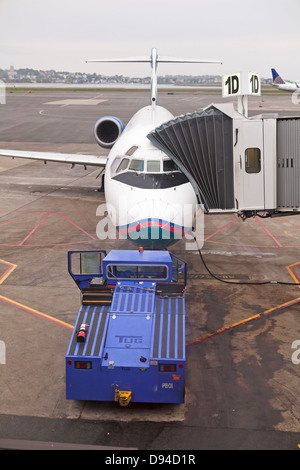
(154,59)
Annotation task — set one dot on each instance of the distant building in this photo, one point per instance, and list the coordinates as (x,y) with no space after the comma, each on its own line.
(11,72)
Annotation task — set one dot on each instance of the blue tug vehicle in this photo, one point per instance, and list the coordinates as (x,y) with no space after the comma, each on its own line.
(128,343)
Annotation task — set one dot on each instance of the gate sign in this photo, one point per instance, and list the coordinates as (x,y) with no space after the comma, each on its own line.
(242,83)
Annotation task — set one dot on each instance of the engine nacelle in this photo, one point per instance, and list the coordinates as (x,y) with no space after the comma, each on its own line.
(107,130)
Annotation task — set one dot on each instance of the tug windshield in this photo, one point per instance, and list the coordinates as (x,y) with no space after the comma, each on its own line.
(140,272)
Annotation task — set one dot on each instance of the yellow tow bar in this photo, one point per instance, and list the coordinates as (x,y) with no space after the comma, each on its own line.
(122,397)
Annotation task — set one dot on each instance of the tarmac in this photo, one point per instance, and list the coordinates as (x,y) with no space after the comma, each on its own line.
(242,384)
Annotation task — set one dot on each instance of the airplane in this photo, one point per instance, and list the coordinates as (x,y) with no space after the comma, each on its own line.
(280,84)
(148,199)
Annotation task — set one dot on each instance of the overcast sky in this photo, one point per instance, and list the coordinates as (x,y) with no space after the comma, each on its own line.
(251,35)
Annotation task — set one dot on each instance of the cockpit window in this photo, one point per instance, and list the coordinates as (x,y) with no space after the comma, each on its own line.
(153,166)
(136,165)
(115,164)
(169,165)
(123,165)
(132,150)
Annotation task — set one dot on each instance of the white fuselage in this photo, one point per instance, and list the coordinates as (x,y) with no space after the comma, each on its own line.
(287,86)
(148,199)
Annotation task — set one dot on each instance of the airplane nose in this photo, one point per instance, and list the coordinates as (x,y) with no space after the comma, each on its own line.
(158,224)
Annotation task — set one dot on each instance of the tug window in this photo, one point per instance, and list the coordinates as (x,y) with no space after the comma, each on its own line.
(252,160)
(132,271)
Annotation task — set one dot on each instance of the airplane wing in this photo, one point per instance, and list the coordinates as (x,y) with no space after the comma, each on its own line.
(71,158)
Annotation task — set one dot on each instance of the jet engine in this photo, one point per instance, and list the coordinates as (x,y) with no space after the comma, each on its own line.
(107,130)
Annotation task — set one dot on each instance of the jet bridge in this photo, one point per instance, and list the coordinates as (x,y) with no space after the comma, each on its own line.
(201,146)
(236,163)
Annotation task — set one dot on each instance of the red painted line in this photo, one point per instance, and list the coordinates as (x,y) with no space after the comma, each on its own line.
(291,246)
(79,228)
(35,228)
(285,222)
(243,245)
(220,229)
(48,244)
(21,218)
(38,212)
(60,244)
(84,212)
(268,232)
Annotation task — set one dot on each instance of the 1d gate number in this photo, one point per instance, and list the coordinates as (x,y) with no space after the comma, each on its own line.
(241,84)
(254,84)
(233,84)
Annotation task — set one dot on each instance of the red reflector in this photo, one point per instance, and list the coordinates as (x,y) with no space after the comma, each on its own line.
(69,362)
(176,377)
(83,365)
(167,368)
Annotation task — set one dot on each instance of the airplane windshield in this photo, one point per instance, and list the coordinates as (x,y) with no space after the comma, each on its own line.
(123,165)
(169,165)
(136,165)
(153,166)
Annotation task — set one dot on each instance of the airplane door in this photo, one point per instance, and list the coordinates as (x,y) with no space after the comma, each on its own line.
(249,167)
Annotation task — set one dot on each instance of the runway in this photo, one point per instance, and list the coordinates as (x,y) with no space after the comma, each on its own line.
(242,385)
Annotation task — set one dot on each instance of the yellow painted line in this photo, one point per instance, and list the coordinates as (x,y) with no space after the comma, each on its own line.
(291,272)
(290,235)
(254,317)
(36,312)
(243,322)
(11,268)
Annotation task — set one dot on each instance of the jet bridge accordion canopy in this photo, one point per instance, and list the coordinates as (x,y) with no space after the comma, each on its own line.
(201,144)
